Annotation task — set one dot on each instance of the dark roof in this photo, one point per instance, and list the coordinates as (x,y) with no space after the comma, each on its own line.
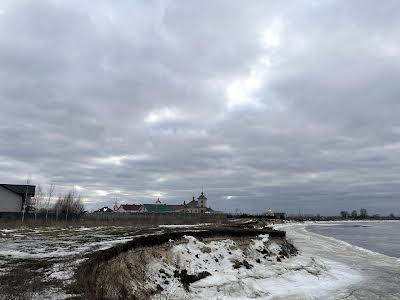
(131,206)
(202,196)
(178,206)
(193,203)
(159,208)
(20,189)
(104,209)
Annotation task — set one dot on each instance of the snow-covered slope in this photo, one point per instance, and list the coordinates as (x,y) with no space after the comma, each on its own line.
(246,271)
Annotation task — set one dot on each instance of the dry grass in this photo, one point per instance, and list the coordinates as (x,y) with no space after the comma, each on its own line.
(140,221)
(124,277)
(25,280)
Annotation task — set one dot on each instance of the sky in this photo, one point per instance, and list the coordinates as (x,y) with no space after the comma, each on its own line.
(292,105)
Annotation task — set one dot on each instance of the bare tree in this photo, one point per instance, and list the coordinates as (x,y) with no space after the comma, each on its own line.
(58,205)
(50,193)
(69,199)
(69,204)
(78,207)
(363,213)
(354,214)
(28,182)
(39,195)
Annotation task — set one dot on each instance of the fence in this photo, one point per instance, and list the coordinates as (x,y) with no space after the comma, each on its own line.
(157,218)
(39,216)
(116,218)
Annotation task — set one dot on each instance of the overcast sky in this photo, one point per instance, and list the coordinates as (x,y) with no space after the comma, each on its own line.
(293,105)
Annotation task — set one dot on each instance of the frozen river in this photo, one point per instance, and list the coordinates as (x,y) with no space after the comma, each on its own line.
(380,274)
(382,237)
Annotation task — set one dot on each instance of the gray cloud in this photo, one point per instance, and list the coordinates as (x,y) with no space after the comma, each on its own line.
(290,105)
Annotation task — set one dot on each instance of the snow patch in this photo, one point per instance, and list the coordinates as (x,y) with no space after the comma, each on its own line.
(184,226)
(261,277)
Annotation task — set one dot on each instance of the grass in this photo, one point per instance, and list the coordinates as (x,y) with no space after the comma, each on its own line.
(33,250)
(31,256)
(24,279)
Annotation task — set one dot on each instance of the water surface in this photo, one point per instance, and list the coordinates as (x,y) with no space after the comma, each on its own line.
(382,237)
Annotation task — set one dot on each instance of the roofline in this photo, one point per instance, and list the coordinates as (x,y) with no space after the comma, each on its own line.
(122,205)
(6,185)
(17,184)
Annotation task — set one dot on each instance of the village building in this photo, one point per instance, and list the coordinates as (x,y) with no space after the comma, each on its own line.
(270,213)
(194,206)
(275,215)
(15,197)
(104,209)
(130,208)
(179,207)
(158,208)
(197,206)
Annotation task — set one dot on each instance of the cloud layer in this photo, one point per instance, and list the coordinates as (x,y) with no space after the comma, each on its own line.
(286,104)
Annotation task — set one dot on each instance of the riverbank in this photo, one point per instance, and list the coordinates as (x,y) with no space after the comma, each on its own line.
(221,267)
(243,262)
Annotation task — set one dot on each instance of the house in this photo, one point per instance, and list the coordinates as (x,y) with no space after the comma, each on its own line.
(179,207)
(14,197)
(104,209)
(197,206)
(130,208)
(280,215)
(270,213)
(158,208)
(194,206)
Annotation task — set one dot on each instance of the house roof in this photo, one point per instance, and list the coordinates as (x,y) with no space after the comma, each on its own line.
(192,203)
(178,206)
(202,196)
(20,189)
(131,207)
(104,209)
(159,208)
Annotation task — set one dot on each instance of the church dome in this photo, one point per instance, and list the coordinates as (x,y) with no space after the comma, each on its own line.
(202,197)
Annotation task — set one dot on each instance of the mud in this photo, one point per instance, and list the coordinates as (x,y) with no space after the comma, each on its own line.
(186,279)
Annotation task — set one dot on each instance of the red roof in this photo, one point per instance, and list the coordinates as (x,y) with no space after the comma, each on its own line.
(131,206)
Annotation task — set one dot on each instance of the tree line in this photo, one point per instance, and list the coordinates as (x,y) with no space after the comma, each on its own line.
(66,205)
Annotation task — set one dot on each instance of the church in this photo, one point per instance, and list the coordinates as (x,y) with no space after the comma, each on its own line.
(194,206)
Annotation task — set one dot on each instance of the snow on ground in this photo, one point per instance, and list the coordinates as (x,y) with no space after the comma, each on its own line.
(50,242)
(325,269)
(185,226)
(264,277)
(53,253)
